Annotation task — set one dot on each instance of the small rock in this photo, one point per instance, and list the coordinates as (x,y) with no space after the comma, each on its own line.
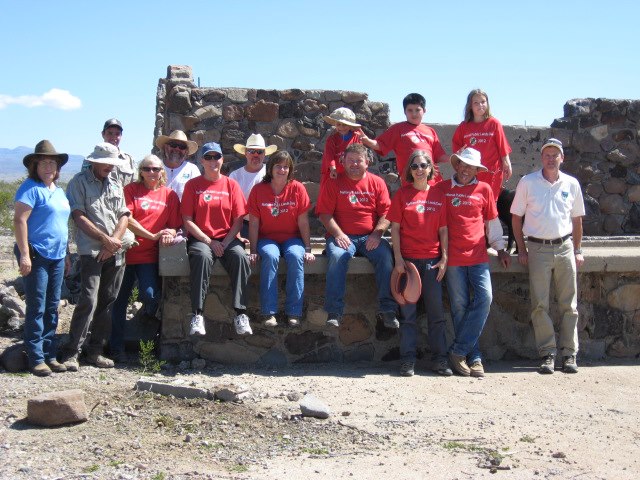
(293,396)
(230,392)
(312,406)
(16,304)
(346,413)
(559,455)
(57,408)
(184,365)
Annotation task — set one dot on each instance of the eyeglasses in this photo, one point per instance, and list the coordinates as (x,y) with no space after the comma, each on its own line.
(423,166)
(179,146)
(212,156)
(252,151)
(151,169)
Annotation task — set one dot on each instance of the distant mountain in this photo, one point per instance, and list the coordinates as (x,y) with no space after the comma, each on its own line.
(11,167)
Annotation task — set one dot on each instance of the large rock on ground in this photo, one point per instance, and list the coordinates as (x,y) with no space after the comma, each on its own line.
(57,408)
(312,406)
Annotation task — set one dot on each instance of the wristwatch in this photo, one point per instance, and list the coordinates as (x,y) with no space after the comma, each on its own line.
(577,251)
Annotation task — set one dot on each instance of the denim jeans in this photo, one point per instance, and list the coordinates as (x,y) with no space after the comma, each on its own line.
(432,299)
(469,313)
(338,264)
(270,252)
(42,290)
(148,294)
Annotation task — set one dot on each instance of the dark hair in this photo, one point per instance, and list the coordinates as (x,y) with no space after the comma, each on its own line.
(414,99)
(278,157)
(358,148)
(407,169)
(468,111)
(32,169)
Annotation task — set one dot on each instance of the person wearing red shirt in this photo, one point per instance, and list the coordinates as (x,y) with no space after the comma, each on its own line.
(471,210)
(212,211)
(483,132)
(155,216)
(418,219)
(344,134)
(279,226)
(406,137)
(353,210)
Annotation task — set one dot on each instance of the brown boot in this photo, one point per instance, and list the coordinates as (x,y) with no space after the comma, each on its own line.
(41,370)
(459,364)
(56,366)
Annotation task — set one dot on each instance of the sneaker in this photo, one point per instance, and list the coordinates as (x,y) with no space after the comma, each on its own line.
(442,368)
(333,320)
(548,364)
(459,364)
(99,361)
(293,321)
(569,364)
(390,320)
(56,366)
(477,370)
(197,325)
(241,323)
(407,369)
(71,362)
(269,321)
(41,370)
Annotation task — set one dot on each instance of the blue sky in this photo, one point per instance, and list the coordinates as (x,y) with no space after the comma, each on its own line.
(70,65)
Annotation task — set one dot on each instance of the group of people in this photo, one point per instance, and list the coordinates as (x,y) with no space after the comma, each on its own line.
(439,228)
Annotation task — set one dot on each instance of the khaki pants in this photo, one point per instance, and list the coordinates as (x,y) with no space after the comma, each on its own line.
(545,262)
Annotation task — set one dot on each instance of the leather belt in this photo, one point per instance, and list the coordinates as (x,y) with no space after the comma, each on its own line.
(554,241)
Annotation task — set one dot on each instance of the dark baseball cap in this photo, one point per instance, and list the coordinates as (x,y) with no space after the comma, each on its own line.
(112,122)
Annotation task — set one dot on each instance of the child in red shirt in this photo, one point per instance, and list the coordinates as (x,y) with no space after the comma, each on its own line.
(344,122)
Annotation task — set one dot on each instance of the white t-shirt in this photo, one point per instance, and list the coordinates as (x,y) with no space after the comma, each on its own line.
(248,179)
(177,177)
(548,208)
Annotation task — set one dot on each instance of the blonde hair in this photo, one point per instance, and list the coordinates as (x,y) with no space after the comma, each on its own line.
(148,160)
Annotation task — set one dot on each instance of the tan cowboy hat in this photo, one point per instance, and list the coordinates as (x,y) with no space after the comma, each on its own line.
(470,156)
(177,136)
(44,147)
(255,142)
(106,154)
(342,115)
(406,287)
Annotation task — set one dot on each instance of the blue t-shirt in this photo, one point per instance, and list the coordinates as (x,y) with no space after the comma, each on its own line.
(47,225)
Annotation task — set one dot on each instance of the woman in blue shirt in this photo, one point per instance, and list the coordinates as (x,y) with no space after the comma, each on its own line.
(41,229)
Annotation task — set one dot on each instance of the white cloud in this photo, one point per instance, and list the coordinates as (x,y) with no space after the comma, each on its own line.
(54,98)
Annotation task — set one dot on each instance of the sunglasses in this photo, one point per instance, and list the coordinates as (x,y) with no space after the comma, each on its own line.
(252,151)
(179,146)
(212,156)
(151,169)
(423,166)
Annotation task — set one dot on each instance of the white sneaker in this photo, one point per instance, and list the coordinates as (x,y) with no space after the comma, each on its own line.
(241,323)
(197,325)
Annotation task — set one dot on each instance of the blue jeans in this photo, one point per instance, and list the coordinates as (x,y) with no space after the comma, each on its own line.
(270,252)
(148,294)
(432,299)
(469,314)
(42,290)
(338,264)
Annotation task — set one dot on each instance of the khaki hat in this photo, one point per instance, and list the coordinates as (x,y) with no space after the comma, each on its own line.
(106,154)
(470,156)
(255,142)
(406,287)
(44,147)
(342,115)
(177,136)
(553,142)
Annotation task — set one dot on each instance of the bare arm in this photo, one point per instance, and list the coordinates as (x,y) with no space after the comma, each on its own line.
(506,167)
(397,251)
(577,239)
(443,235)
(516,223)
(254,226)
(110,243)
(366,141)
(305,234)
(373,240)
(22,211)
(333,229)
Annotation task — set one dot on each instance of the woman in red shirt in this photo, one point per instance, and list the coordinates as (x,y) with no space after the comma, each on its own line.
(279,226)
(420,236)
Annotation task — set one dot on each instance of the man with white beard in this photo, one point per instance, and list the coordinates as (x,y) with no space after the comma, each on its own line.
(175,149)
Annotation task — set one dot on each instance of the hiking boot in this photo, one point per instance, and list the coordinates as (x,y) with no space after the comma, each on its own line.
(477,370)
(41,370)
(333,320)
(548,364)
(197,325)
(390,320)
(269,321)
(407,369)
(293,321)
(569,364)
(70,362)
(241,322)
(56,366)
(459,364)
(99,361)
(442,368)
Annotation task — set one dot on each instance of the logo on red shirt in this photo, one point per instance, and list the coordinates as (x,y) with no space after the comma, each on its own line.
(456,202)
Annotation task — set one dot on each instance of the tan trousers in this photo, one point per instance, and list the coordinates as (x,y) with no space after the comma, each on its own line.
(545,262)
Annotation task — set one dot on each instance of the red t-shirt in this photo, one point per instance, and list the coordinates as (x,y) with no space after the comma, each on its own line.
(420,215)
(333,149)
(154,210)
(404,138)
(488,138)
(278,214)
(468,207)
(213,206)
(356,205)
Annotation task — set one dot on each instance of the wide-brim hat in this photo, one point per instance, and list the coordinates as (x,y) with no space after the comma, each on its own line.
(470,156)
(45,148)
(255,142)
(106,154)
(177,136)
(342,115)
(406,287)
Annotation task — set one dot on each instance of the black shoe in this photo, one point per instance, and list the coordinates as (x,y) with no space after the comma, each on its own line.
(333,320)
(390,320)
(548,364)
(569,364)
(407,369)
(442,368)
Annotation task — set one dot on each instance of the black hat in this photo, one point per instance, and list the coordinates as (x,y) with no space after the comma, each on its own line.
(112,122)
